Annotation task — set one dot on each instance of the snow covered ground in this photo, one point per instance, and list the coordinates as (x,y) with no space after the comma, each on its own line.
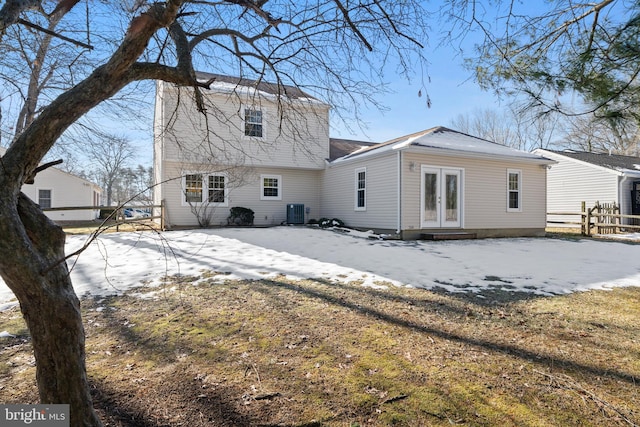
(120,261)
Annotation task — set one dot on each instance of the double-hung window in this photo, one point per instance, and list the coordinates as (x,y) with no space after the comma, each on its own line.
(361,189)
(253,125)
(193,188)
(205,188)
(270,187)
(217,188)
(44,198)
(514,190)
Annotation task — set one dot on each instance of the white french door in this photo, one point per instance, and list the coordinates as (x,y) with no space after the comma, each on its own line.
(440,203)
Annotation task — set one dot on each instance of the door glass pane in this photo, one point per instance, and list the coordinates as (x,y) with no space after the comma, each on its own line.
(430,197)
(451,197)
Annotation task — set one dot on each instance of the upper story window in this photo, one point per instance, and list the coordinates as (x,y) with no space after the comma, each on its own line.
(253,123)
(44,199)
(361,189)
(270,187)
(214,186)
(514,190)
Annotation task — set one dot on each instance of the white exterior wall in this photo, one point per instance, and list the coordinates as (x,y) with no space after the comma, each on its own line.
(339,192)
(298,186)
(295,133)
(66,190)
(484,192)
(570,182)
(187,142)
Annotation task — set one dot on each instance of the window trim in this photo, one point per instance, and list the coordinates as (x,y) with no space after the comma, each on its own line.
(245,122)
(357,190)
(517,172)
(204,193)
(50,190)
(262,186)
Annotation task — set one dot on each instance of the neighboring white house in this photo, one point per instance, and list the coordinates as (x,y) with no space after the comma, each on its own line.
(55,188)
(590,177)
(268,149)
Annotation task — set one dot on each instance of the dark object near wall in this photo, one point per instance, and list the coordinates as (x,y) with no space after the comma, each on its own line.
(240,216)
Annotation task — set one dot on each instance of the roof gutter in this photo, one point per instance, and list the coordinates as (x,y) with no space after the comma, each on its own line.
(476,155)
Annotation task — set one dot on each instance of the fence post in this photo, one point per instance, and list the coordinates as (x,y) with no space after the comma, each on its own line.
(588,225)
(583,218)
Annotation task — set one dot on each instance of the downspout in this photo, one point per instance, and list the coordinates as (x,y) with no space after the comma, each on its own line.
(399,194)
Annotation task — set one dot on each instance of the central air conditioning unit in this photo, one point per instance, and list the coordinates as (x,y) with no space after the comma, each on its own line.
(295,213)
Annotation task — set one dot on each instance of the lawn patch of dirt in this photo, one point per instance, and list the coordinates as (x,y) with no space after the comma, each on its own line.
(314,353)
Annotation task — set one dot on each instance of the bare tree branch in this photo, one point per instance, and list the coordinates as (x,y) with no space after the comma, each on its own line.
(54,34)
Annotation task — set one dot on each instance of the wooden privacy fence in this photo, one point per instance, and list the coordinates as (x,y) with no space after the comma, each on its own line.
(118,216)
(603,218)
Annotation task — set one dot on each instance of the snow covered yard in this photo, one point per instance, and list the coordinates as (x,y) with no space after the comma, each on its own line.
(120,261)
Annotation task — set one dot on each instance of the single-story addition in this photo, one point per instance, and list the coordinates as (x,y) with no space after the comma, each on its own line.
(55,188)
(267,148)
(438,181)
(580,176)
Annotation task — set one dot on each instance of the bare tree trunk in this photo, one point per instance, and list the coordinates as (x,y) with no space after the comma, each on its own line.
(50,307)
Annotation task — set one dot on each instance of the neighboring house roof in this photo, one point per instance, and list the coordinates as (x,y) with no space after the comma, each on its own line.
(443,139)
(616,162)
(229,83)
(58,170)
(339,147)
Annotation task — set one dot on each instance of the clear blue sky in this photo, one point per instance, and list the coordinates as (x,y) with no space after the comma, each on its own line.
(452,91)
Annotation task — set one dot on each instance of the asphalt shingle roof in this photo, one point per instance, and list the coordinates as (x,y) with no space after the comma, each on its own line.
(339,147)
(291,92)
(445,139)
(611,161)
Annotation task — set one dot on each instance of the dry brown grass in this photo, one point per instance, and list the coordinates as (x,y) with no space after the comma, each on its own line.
(311,353)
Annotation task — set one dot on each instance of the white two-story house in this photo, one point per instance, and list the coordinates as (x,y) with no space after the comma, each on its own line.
(255,148)
(267,148)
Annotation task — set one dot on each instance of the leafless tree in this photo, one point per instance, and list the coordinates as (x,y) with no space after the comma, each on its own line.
(108,155)
(523,129)
(588,133)
(331,48)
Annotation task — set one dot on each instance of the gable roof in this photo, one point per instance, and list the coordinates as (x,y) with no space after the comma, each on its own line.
(229,83)
(614,162)
(339,147)
(445,140)
(3,150)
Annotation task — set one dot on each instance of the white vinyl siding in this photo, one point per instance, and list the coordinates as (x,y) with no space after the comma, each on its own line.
(381,193)
(297,139)
(571,182)
(65,190)
(302,187)
(483,192)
